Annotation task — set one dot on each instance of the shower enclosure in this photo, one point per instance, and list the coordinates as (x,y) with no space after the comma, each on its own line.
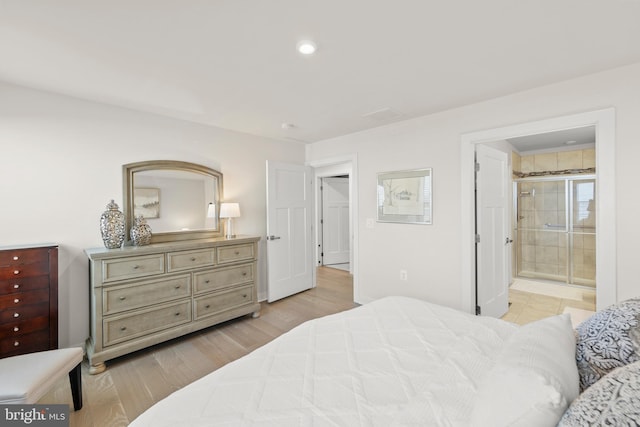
(555,228)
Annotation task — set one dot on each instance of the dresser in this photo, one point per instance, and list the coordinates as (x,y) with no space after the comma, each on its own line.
(28,299)
(141,296)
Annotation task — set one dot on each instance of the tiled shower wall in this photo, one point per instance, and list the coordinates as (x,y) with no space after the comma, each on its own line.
(541,251)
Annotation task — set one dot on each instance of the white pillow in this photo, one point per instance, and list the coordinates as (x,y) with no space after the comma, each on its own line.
(534,379)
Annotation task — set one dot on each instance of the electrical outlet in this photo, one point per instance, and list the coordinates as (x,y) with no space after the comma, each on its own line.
(403,274)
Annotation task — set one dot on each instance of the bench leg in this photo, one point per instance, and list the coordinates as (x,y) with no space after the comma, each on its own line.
(75,378)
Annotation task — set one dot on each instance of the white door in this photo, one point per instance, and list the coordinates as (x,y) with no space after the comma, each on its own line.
(289,230)
(335,221)
(492,228)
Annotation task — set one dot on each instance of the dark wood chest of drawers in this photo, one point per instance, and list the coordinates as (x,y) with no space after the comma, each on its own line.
(28,299)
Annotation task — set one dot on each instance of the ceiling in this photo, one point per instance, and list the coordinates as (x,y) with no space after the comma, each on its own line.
(557,140)
(233,63)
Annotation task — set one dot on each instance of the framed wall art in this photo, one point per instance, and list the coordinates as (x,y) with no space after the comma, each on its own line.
(405,196)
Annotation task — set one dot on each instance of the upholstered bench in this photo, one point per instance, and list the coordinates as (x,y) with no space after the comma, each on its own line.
(24,379)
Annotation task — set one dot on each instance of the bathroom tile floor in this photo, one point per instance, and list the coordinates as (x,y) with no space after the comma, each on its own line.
(527,307)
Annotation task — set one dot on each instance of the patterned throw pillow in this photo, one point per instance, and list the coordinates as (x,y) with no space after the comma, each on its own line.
(612,401)
(607,340)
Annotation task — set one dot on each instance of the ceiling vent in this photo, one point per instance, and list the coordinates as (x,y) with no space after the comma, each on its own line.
(383,115)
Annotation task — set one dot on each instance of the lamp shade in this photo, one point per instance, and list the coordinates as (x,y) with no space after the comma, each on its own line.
(229,210)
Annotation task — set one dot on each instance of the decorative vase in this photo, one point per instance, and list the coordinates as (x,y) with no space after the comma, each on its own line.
(140,231)
(112,226)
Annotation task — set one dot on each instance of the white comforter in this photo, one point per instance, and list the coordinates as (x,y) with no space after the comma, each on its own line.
(395,361)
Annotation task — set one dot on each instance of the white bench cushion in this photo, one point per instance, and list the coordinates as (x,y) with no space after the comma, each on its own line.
(24,379)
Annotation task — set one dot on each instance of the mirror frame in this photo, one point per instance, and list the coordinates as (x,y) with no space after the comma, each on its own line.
(130,169)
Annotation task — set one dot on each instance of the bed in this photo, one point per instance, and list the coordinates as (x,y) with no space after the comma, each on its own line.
(395,361)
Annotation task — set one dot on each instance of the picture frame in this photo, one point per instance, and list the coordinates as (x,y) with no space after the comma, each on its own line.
(146,202)
(405,196)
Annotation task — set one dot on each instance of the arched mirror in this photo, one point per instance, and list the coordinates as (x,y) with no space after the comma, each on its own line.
(179,200)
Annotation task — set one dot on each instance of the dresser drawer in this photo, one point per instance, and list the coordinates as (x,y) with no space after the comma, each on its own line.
(221,301)
(25,312)
(24,326)
(23,284)
(127,297)
(227,254)
(20,299)
(145,322)
(20,271)
(187,260)
(132,267)
(37,341)
(222,278)
(23,257)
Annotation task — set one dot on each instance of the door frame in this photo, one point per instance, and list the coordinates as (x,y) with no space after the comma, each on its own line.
(340,165)
(604,121)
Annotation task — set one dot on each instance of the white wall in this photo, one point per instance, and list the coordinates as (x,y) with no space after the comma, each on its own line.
(431,253)
(61,162)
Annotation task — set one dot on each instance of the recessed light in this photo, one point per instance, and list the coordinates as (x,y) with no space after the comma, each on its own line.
(306,47)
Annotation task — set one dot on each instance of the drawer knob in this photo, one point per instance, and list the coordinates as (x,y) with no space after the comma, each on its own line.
(178,313)
(244,295)
(16,314)
(135,267)
(16,343)
(207,306)
(16,271)
(16,329)
(244,273)
(193,258)
(124,328)
(177,286)
(237,252)
(17,300)
(16,286)
(123,298)
(15,258)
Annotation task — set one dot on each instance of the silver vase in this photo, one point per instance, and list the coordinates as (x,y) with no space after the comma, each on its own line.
(140,231)
(112,226)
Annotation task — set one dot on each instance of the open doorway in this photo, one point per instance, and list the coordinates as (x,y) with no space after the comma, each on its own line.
(603,122)
(335,241)
(551,189)
(342,166)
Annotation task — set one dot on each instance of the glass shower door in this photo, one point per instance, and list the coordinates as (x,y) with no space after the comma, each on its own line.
(582,232)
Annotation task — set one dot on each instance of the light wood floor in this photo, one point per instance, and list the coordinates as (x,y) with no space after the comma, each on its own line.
(133,383)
